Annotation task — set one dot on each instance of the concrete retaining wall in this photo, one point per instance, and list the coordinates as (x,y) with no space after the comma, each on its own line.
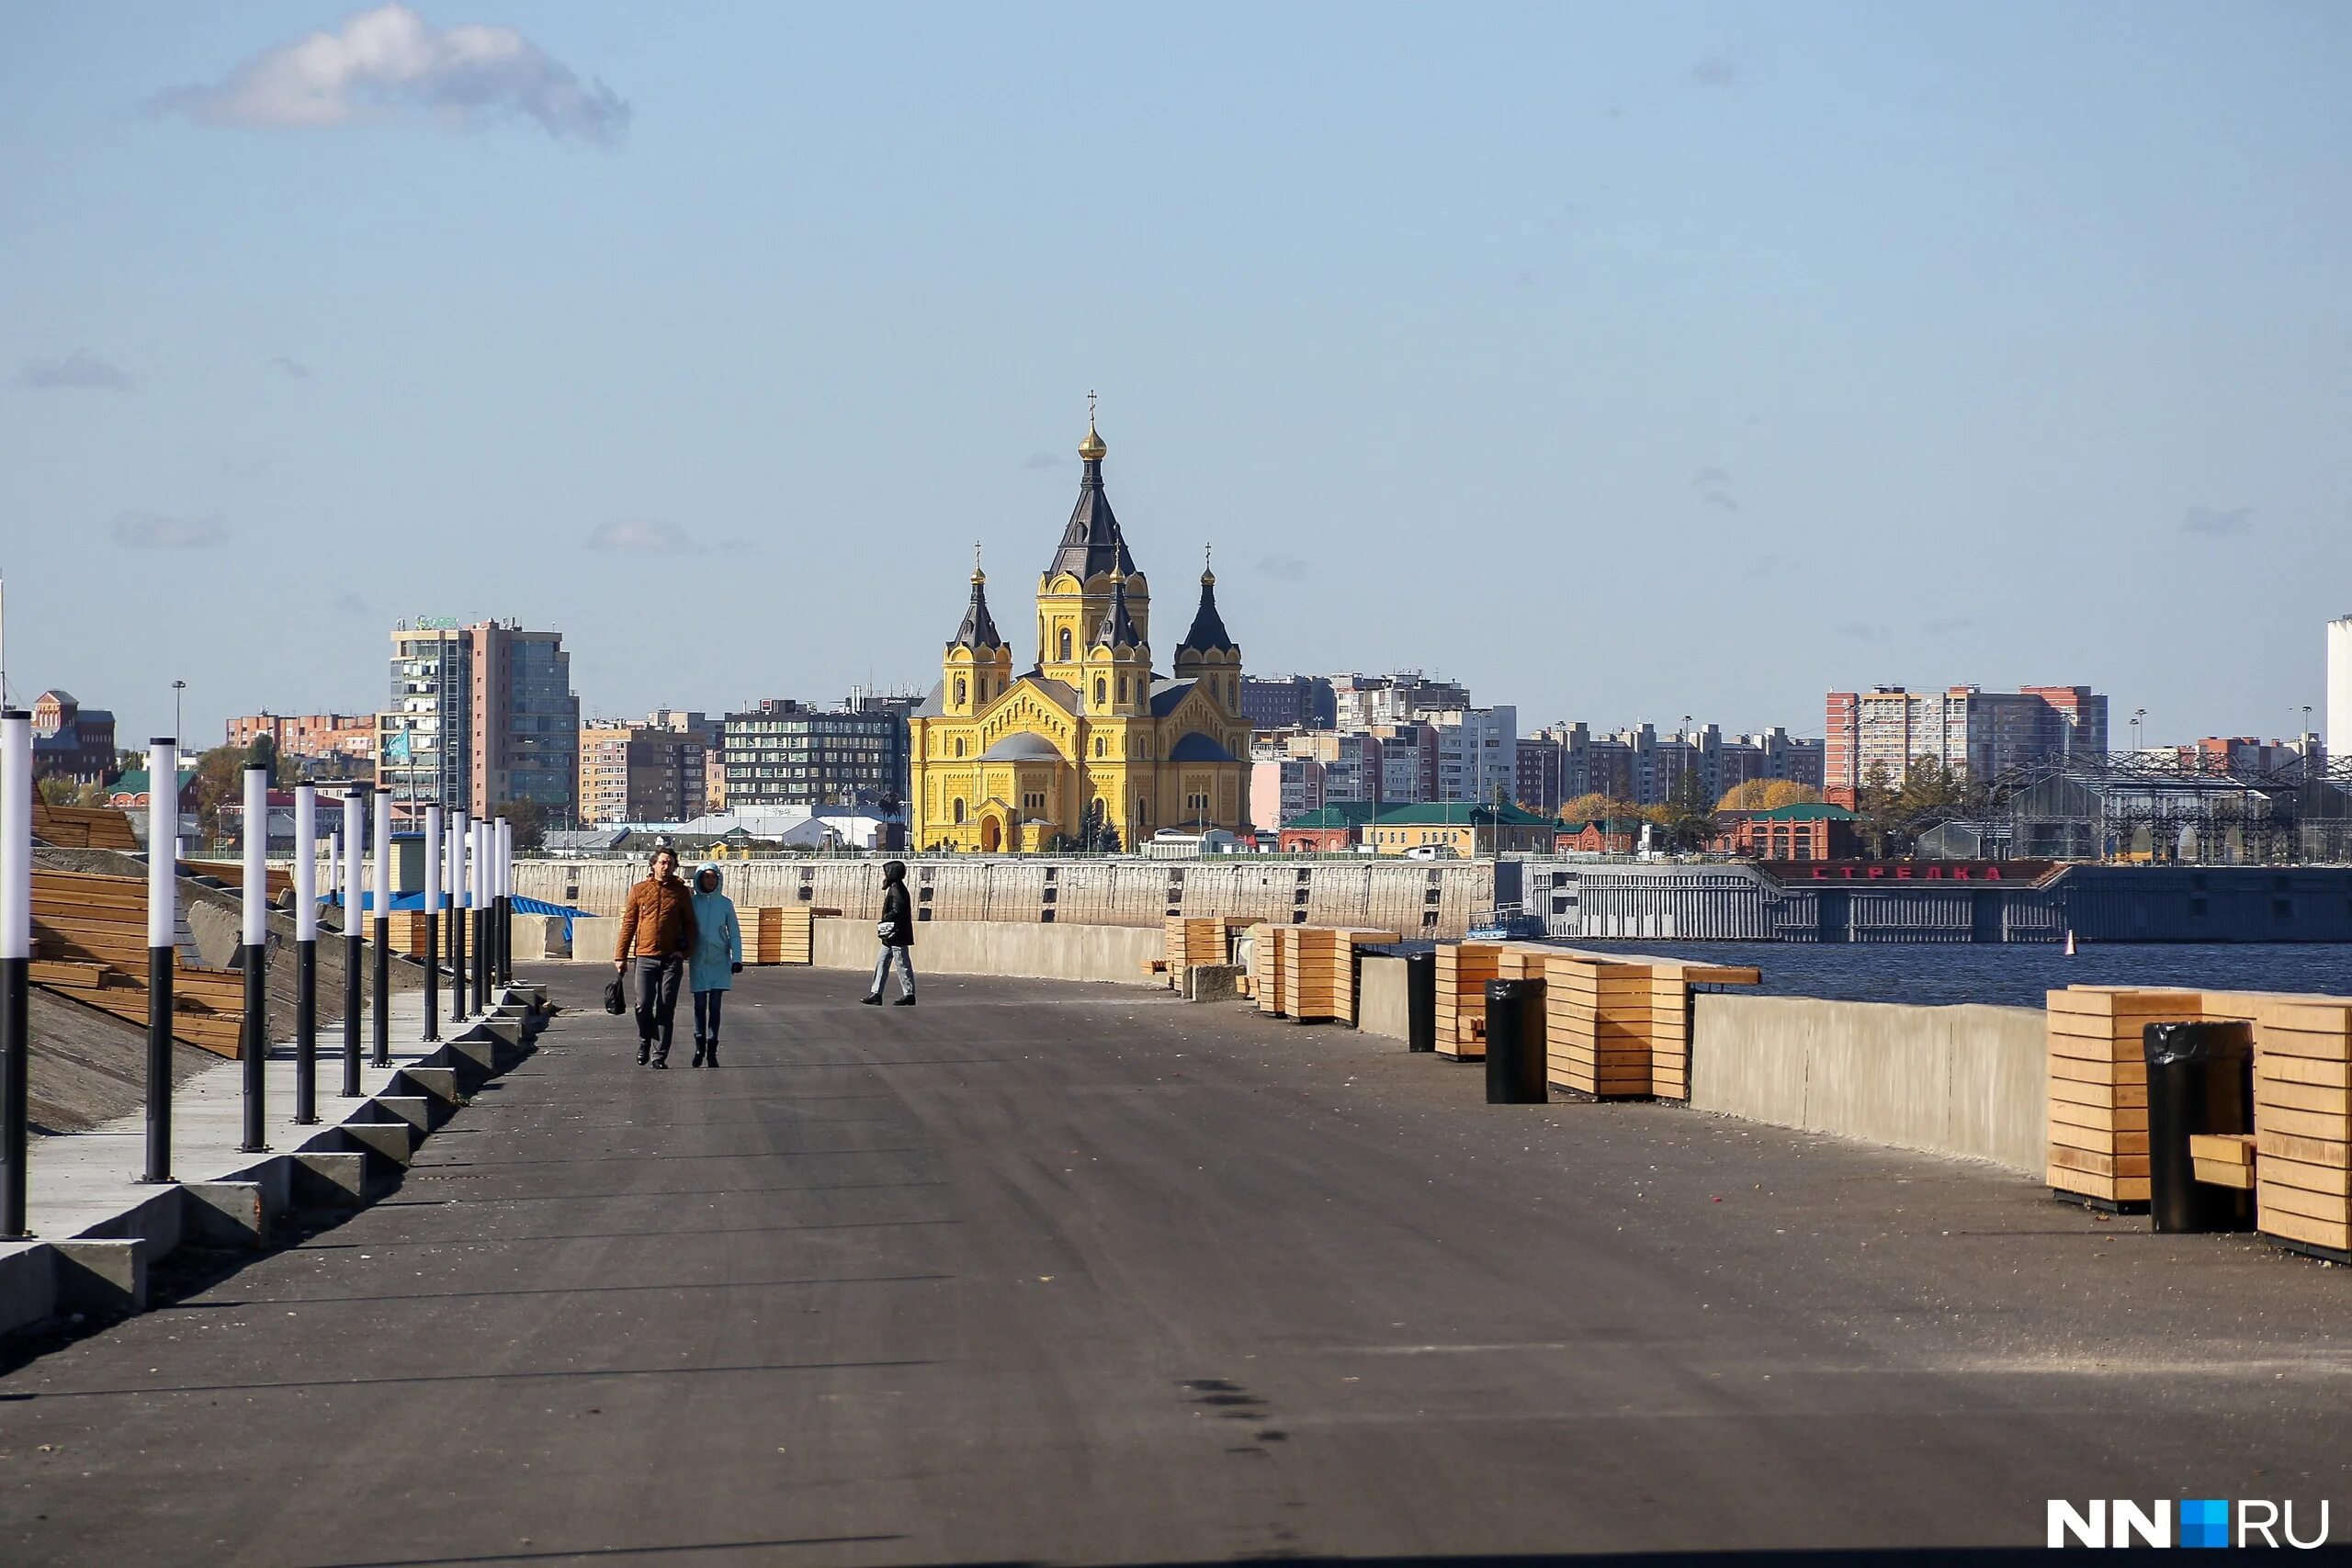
(983,947)
(1953,1081)
(1415,898)
(1380,1000)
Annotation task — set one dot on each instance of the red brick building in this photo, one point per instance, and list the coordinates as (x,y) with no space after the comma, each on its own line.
(1616,836)
(308,734)
(70,741)
(1814,831)
(1334,829)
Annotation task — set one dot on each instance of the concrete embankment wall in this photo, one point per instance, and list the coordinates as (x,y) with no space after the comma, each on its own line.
(1412,898)
(981,947)
(1954,1080)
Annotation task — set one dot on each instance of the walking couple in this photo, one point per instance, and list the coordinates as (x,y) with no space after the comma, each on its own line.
(672,934)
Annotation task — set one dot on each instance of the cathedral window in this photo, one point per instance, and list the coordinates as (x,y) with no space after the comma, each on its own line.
(959,746)
(1102,747)
(959,808)
(1123,688)
(1101,692)
(1064,644)
(960,690)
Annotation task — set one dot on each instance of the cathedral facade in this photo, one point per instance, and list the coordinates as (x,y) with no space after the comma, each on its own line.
(1090,748)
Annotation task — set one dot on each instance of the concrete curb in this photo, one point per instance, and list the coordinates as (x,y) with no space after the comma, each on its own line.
(100,1275)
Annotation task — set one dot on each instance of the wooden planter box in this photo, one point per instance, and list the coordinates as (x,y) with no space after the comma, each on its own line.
(1324,970)
(1463,970)
(2098,1088)
(2303,1123)
(780,934)
(1599,1026)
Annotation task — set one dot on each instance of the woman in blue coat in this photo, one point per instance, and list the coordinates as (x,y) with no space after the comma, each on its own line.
(717,958)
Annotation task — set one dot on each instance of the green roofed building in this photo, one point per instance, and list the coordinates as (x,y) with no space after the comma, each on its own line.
(1337,826)
(1458,828)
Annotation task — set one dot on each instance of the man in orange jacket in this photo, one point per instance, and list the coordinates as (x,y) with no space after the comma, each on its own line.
(657,933)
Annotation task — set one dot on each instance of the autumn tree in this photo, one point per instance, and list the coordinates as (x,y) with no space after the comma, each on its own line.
(1767,795)
(220,781)
(1595,807)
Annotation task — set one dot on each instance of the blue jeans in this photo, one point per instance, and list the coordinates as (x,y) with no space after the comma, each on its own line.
(906,960)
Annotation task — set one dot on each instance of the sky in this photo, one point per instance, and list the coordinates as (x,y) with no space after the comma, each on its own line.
(1624,362)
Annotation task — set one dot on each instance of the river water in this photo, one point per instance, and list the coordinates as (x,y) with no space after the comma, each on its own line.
(2011,975)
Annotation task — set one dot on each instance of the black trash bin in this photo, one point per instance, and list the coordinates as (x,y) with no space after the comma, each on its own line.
(1515,1073)
(2200,1079)
(1420,1001)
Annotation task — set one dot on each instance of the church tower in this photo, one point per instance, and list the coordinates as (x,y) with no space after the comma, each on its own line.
(1209,655)
(1075,591)
(978,666)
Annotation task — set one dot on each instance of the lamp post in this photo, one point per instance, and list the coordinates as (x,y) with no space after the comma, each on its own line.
(505,862)
(255,956)
(306,954)
(16,958)
(355,950)
(433,921)
(478,888)
(2137,715)
(163,936)
(382,929)
(461,903)
(177,728)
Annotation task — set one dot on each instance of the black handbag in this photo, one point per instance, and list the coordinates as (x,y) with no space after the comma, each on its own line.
(615,996)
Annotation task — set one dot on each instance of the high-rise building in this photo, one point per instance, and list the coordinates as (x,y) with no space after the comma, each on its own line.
(634,773)
(790,753)
(1289,702)
(480,716)
(1644,767)
(1969,730)
(1477,754)
(1362,701)
(1283,787)
(2339,687)
(1408,762)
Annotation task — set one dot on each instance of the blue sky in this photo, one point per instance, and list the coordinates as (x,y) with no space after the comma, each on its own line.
(1625,362)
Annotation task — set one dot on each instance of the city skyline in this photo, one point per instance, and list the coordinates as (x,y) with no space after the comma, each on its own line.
(1591,377)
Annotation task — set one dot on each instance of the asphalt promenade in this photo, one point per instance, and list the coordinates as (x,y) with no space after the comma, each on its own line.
(1039,1271)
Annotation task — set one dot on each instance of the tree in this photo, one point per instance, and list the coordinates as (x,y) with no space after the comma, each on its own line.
(220,781)
(1875,803)
(530,820)
(1688,822)
(1767,795)
(1931,793)
(57,790)
(1595,807)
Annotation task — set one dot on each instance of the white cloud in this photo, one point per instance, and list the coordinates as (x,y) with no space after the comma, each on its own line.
(389,61)
(643,536)
(152,531)
(78,371)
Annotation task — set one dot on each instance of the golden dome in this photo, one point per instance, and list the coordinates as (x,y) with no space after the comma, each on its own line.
(1091,448)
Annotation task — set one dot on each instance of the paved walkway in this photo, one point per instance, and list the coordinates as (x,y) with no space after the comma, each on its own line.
(1084,1273)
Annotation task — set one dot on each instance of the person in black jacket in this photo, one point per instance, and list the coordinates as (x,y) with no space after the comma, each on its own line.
(897,929)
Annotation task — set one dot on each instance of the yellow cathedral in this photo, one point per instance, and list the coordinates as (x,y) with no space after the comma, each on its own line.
(1089,748)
